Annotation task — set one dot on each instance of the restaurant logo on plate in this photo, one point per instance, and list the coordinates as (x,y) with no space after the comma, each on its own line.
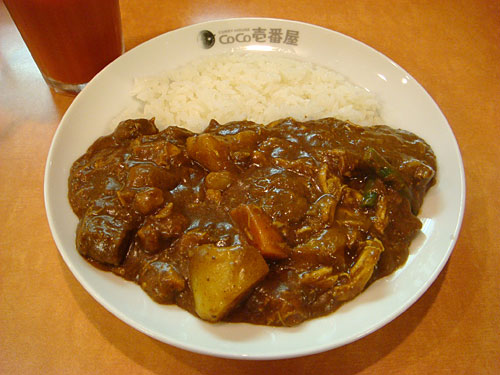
(277,35)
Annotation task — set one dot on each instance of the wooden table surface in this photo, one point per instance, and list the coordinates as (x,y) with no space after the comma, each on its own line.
(50,325)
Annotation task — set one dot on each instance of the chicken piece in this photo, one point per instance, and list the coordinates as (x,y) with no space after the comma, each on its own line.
(278,300)
(355,280)
(302,166)
(172,226)
(341,161)
(381,219)
(213,195)
(273,189)
(130,129)
(159,152)
(320,213)
(322,278)
(329,183)
(219,180)
(350,210)
(165,225)
(221,276)
(391,175)
(151,175)
(375,197)
(259,230)
(148,200)
(327,248)
(245,140)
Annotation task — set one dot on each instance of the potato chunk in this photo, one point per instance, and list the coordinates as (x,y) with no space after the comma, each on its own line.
(221,276)
(211,151)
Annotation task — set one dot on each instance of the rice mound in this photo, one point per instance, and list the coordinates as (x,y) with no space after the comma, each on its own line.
(254,87)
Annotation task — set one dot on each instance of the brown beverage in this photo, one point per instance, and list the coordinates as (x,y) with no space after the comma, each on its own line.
(70,40)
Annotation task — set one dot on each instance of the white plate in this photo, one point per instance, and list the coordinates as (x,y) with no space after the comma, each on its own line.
(405,105)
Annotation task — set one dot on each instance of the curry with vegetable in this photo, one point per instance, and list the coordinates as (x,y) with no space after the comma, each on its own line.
(267,224)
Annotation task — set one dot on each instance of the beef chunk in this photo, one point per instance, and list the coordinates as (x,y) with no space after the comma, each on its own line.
(103,238)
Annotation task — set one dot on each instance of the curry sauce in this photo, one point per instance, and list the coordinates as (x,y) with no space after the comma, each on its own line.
(267,224)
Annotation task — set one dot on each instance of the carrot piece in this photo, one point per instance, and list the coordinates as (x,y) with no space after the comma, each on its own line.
(259,230)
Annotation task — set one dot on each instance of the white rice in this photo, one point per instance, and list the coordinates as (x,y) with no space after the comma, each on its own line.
(255,87)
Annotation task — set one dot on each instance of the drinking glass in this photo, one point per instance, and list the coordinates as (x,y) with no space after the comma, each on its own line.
(70,40)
